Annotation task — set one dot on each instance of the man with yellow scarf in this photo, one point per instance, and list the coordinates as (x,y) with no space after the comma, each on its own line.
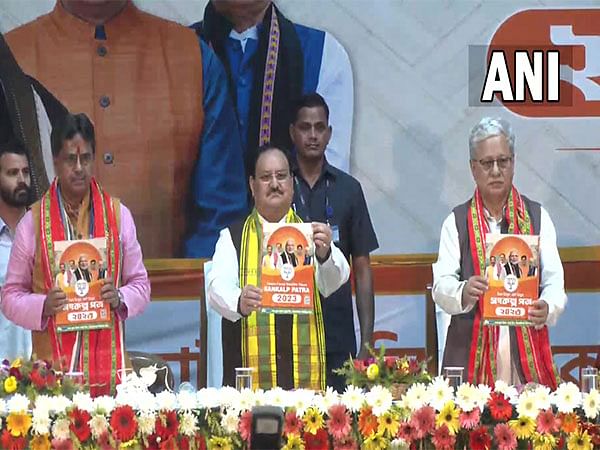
(76,207)
(284,350)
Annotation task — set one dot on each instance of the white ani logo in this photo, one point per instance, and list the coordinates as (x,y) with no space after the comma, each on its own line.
(287,272)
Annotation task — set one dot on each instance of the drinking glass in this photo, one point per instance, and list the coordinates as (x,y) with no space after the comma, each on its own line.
(589,379)
(243,378)
(454,375)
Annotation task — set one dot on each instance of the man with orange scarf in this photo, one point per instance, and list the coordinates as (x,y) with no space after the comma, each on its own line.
(76,207)
(516,355)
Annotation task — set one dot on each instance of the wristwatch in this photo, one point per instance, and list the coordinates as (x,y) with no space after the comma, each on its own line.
(120,295)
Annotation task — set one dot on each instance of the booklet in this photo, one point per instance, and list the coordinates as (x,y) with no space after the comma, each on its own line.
(287,269)
(81,267)
(512,270)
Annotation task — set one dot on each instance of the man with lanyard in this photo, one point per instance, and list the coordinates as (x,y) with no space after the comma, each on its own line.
(270,62)
(15,194)
(324,193)
(516,355)
(75,207)
(285,350)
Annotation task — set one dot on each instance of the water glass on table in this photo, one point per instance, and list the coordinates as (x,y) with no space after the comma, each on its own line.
(454,375)
(243,378)
(589,379)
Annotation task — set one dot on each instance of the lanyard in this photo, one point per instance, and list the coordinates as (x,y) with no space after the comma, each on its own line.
(328,207)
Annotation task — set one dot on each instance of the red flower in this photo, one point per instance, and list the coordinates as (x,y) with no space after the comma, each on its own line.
(345,444)
(103,442)
(10,442)
(593,431)
(123,423)
(50,378)
(546,422)
(169,444)
(339,423)
(413,366)
(423,420)
(245,426)
(184,443)
(360,365)
(469,420)
(292,423)
(500,408)
(79,424)
(407,432)
(62,444)
(479,439)
(442,439)
(200,442)
(505,437)
(317,441)
(38,379)
(153,443)
(15,372)
(166,425)
(390,361)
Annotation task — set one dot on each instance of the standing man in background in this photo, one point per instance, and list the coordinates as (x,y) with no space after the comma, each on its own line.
(15,194)
(325,194)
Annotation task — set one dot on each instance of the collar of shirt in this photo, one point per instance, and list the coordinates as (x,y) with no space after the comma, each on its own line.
(495,225)
(263,220)
(326,171)
(5,231)
(127,20)
(250,33)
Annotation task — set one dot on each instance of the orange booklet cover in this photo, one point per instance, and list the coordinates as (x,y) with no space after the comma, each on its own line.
(287,270)
(512,270)
(80,267)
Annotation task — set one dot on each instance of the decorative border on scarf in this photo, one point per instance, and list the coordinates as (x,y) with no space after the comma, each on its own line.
(266,110)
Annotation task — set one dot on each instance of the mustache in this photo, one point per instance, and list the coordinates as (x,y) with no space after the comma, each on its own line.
(275,191)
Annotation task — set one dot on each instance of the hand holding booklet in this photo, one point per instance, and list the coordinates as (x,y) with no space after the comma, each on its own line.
(512,270)
(80,270)
(287,269)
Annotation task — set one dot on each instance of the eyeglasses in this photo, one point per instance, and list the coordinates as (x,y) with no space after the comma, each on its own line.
(503,163)
(84,159)
(280,177)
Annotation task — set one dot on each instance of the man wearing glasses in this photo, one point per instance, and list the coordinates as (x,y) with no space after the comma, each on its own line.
(284,350)
(516,355)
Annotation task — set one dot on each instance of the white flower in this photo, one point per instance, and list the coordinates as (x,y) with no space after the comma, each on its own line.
(353,398)
(104,404)
(186,400)
(542,397)
(208,398)
(399,444)
(18,403)
(40,422)
(416,396)
(2,407)
(482,395)
(567,397)
(379,399)
(187,424)
(591,404)
(43,405)
(527,405)
(60,403)
(324,402)
(276,397)
(229,397)
(467,397)
(146,421)
(302,399)
(246,400)
(229,422)
(166,401)
(98,425)
(83,401)
(60,429)
(510,392)
(439,393)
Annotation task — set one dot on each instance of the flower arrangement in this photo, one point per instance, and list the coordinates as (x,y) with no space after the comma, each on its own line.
(428,417)
(32,378)
(381,370)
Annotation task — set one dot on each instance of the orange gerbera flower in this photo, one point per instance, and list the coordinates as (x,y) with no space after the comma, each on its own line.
(367,422)
(568,422)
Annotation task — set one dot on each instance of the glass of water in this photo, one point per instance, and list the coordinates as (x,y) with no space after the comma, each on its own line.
(454,375)
(243,378)
(589,379)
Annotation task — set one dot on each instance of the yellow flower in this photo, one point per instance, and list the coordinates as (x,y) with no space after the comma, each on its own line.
(448,416)
(523,427)
(579,441)
(543,441)
(375,442)
(18,424)
(372,371)
(10,384)
(313,421)
(40,442)
(388,424)
(294,442)
(17,363)
(219,443)
(130,443)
